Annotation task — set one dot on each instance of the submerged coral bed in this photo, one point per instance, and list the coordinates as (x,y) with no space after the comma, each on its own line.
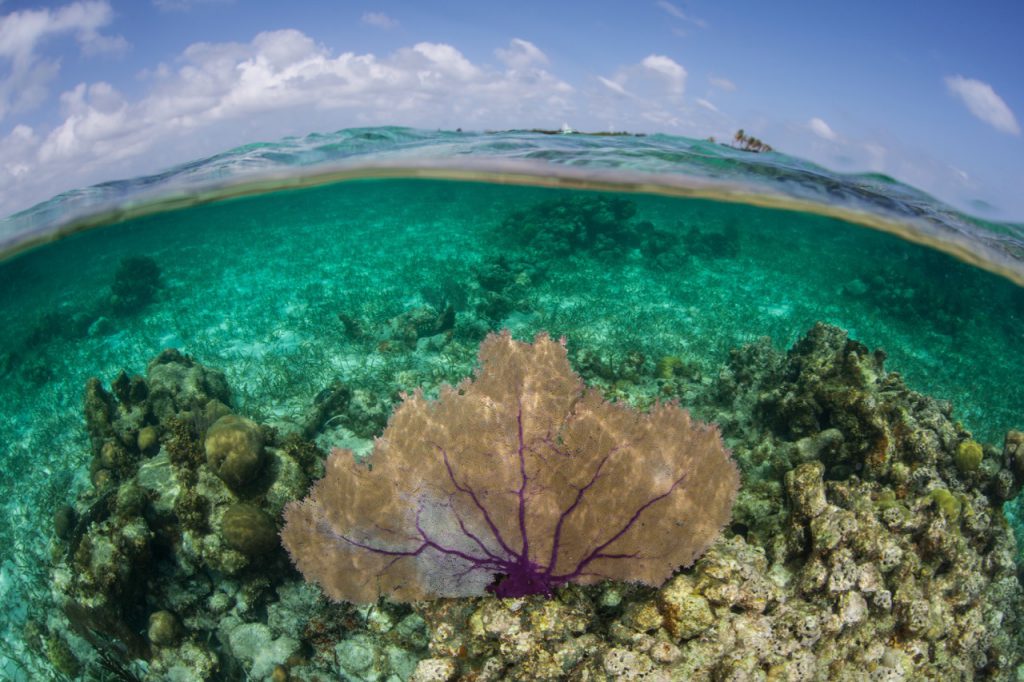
(868,539)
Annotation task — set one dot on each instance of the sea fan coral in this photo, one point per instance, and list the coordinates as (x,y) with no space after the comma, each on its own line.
(516,481)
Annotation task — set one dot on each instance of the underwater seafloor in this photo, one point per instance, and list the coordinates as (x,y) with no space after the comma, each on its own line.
(869,388)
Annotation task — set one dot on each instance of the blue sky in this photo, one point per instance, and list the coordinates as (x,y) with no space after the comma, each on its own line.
(929,93)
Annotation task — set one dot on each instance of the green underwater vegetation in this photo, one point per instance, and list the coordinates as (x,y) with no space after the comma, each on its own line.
(174,380)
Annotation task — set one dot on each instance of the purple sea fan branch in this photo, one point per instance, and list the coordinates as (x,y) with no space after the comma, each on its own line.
(476,502)
(517,481)
(580,492)
(524,480)
(598,552)
(472,560)
(472,536)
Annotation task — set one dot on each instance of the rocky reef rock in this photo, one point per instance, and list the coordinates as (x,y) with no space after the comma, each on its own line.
(179,384)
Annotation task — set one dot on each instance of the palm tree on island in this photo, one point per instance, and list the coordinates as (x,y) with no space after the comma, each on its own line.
(746,143)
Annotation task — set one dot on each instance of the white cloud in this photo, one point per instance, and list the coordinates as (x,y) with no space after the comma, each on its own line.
(649,94)
(447,61)
(521,54)
(673,73)
(612,85)
(671,9)
(25,85)
(97,121)
(378,20)
(16,150)
(821,129)
(21,32)
(722,83)
(984,103)
(678,13)
(707,105)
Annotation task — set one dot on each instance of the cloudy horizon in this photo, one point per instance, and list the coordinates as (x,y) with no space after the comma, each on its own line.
(97,90)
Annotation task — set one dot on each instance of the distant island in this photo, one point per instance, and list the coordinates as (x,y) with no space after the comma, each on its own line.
(745,143)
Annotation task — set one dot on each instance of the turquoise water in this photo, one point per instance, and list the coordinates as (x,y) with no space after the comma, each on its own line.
(389,284)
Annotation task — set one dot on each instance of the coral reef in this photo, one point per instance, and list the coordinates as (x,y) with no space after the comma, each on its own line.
(604,228)
(135,285)
(868,541)
(597,226)
(179,532)
(517,481)
(234,450)
(502,285)
(861,549)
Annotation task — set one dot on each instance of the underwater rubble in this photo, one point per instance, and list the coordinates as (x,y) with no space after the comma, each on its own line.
(606,228)
(867,542)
